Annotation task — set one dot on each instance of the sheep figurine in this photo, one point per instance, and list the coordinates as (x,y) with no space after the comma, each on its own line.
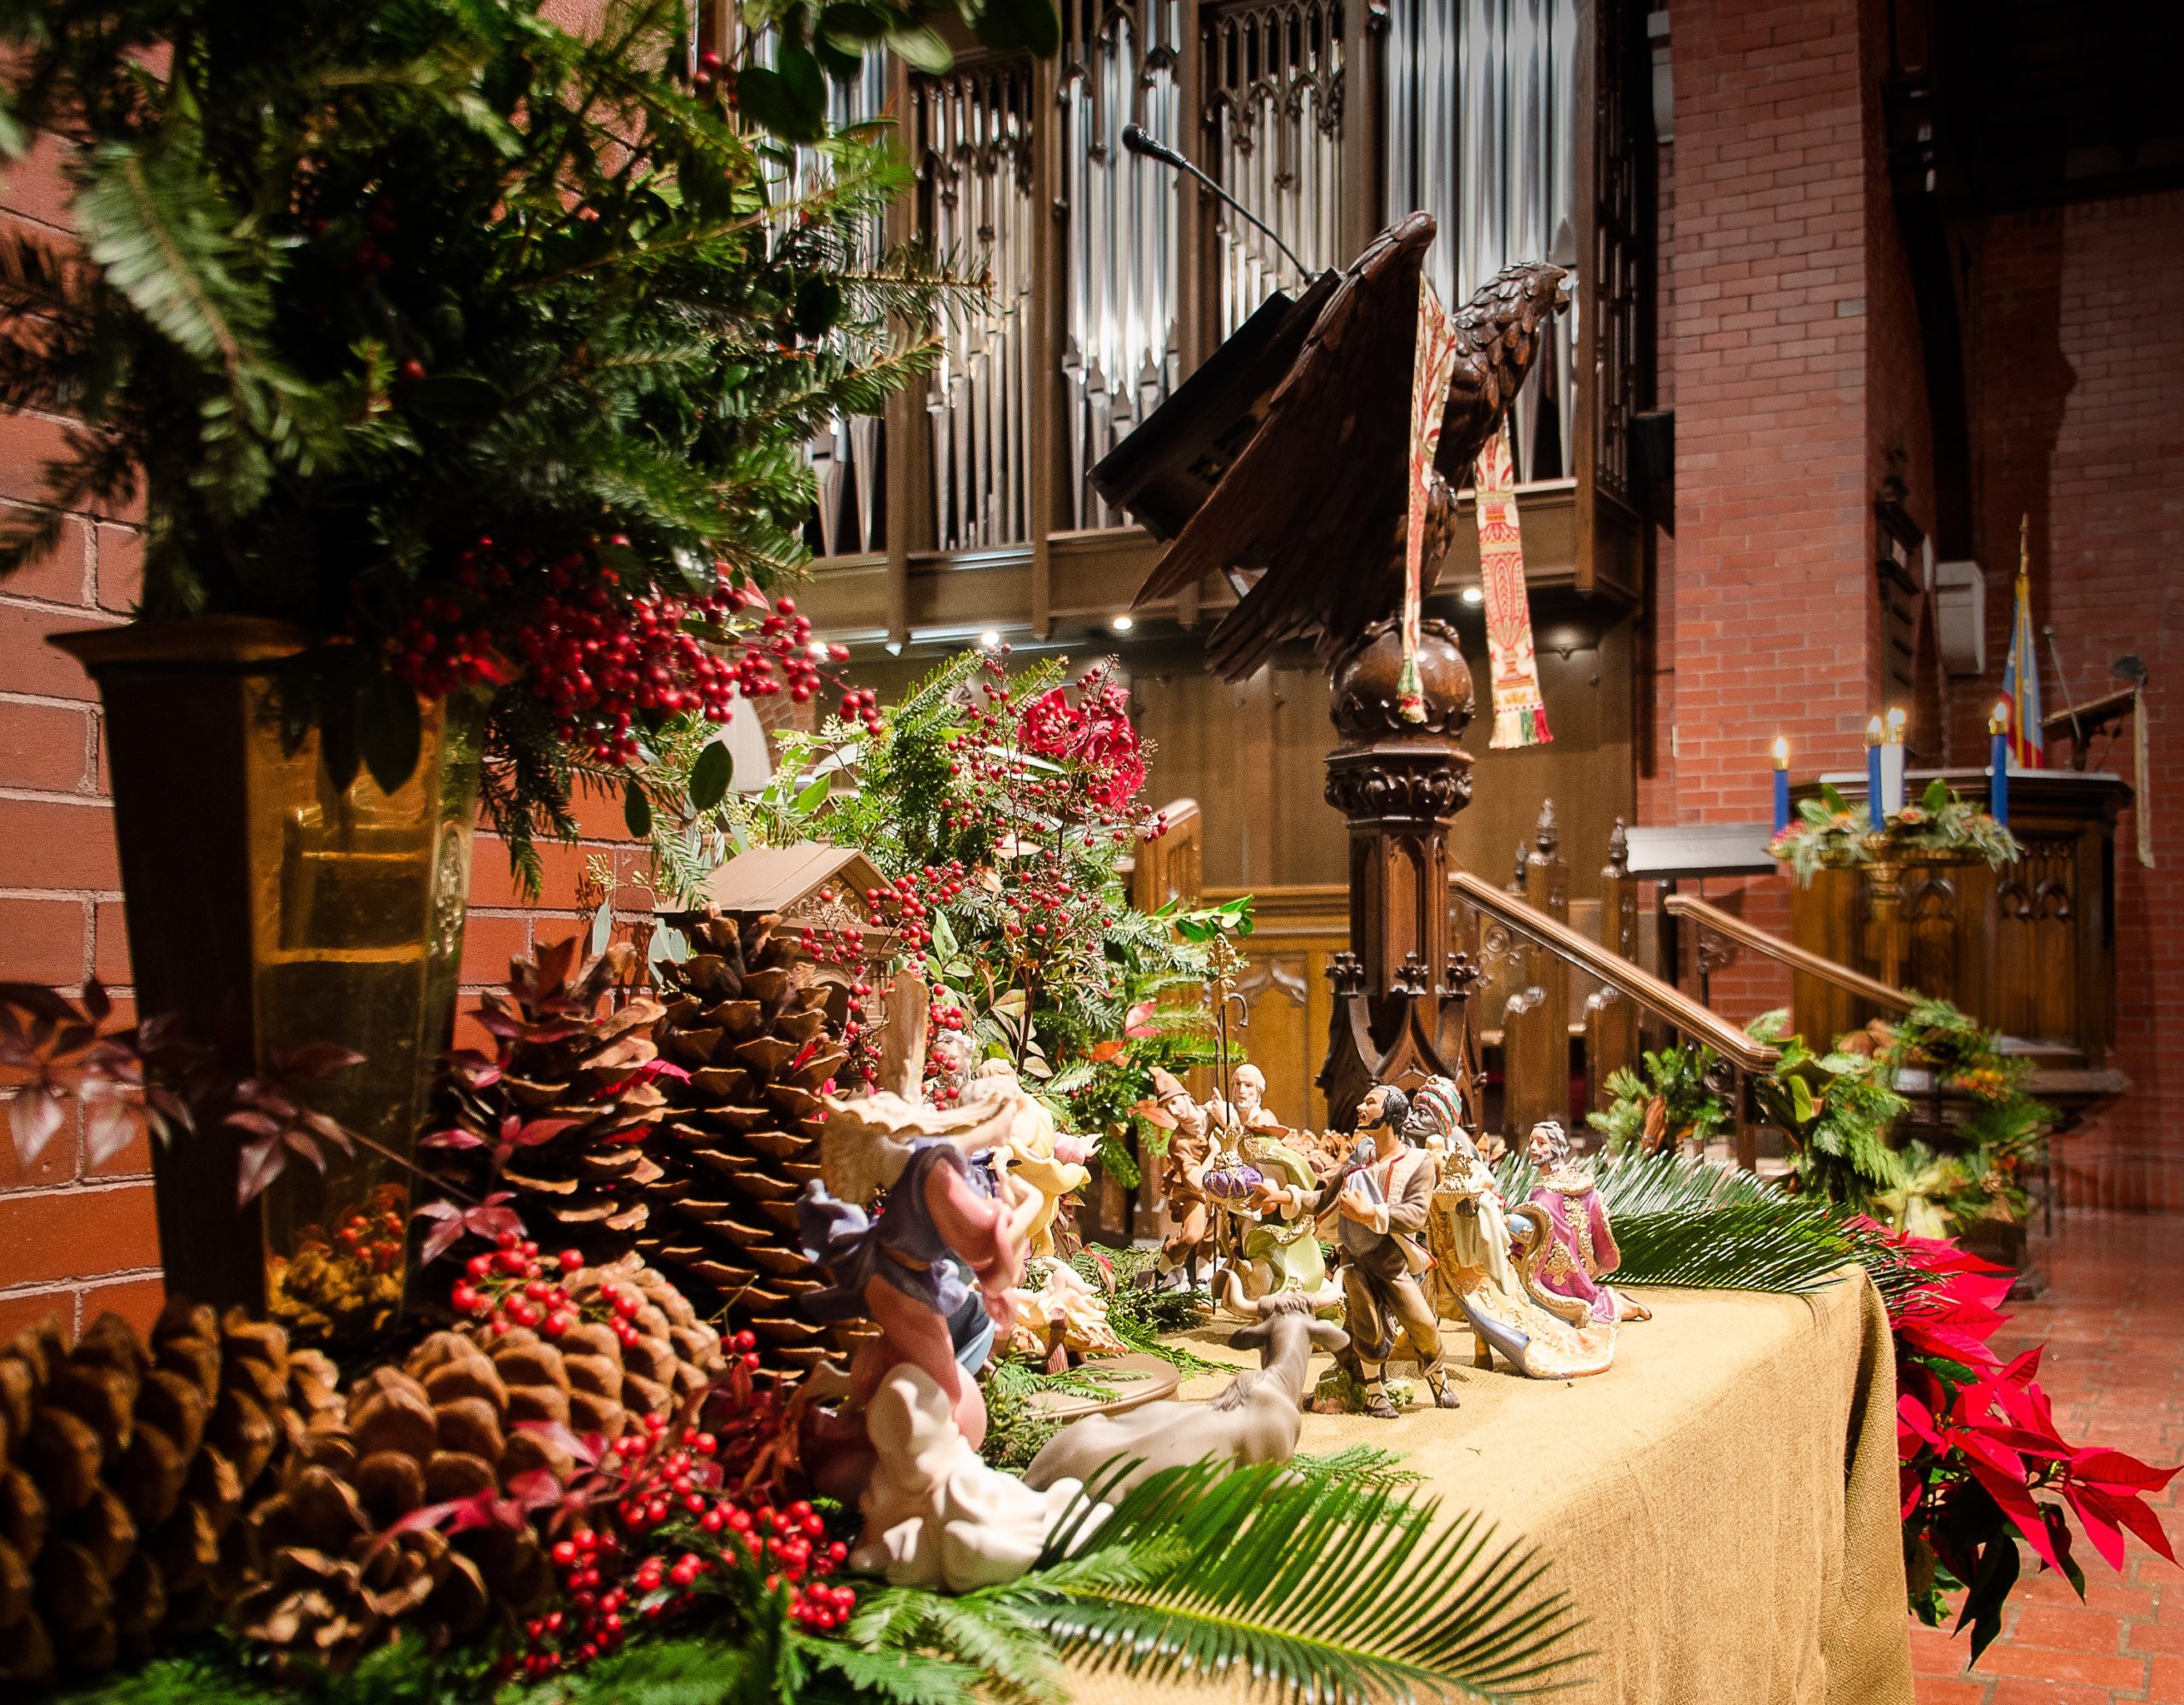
(1255,1420)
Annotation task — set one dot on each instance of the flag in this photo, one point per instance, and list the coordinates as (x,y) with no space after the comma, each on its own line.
(2021,674)
(1433,364)
(1520,712)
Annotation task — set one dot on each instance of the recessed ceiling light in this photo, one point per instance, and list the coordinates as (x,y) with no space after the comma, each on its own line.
(1123,624)
(1474,594)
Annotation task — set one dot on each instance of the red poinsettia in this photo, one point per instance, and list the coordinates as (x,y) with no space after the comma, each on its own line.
(1094,735)
(1977,1442)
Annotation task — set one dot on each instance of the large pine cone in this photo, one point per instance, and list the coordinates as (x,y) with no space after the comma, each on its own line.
(445,1425)
(125,1465)
(573,1043)
(740,1137)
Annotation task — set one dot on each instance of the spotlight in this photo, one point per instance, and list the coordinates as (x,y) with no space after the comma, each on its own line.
(1122,624)
(1474,595)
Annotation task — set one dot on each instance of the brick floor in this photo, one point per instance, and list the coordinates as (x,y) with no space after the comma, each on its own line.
(2113,1320)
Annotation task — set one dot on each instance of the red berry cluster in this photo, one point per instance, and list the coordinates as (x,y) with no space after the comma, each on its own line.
(861,705)
(515,1285)
(602,659)
(911,899)
(668,1511)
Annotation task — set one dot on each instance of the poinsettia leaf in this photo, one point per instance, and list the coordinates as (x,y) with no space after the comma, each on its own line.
(453,1138)
(542,1131)
(256,1123)
(300,1142)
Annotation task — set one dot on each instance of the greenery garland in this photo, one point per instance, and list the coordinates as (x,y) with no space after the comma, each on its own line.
(1832,834)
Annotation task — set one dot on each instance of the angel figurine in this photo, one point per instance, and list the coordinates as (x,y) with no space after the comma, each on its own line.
(1581,1252)
(1048,1160)
(935,1269)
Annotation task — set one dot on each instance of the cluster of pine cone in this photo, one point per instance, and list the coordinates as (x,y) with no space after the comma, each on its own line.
(215,1475)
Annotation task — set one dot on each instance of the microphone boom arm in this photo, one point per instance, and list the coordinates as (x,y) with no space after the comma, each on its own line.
(1148,147)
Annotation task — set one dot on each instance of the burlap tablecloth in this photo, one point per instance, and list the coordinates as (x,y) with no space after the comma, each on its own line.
(1721,1503)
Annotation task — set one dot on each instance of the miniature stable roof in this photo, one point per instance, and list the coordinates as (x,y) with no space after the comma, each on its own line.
(775,878)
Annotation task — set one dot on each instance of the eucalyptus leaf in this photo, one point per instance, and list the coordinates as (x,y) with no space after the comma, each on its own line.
(636,810)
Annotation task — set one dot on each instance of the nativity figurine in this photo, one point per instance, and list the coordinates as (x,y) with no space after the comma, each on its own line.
(1182,1173)
(936,1517)
(1475,1281)
(1058,1306)
(936,1268)
(1378,1206)
(1581,1251)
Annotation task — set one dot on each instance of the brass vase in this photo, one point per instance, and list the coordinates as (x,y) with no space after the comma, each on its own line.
(270,908)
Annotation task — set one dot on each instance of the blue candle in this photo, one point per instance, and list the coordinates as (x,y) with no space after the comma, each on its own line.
(1781,784)
(1872,773)
(1998,786)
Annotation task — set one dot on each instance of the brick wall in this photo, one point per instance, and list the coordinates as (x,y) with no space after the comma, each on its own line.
(1766,605)
(72,1237)
(2078,375)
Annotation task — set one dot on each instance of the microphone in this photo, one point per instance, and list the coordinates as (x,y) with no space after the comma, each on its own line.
(1148,147)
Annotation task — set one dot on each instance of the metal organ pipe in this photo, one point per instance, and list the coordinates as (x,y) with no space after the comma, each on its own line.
(973,130)
(1492,86)
(1119,360)
(1275,108)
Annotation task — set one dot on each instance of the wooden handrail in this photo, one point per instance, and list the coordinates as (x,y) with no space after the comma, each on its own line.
(1658,998)
(1735,929)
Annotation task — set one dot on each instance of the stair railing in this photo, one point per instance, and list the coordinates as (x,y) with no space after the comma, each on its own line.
(1738,1057)
(1712,920)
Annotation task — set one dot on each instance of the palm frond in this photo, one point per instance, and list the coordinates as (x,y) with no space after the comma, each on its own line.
(1327,1584)
(1686,1221)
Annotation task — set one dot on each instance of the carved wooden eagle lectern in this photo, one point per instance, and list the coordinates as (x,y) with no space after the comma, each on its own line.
(1282,462)
(1315,498)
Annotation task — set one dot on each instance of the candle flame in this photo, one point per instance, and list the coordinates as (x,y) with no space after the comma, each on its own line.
(1896,719)
(1873,731)
(1998,719)
(1781,752)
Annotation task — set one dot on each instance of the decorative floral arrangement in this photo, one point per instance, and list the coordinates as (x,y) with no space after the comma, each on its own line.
(1001,810)
(479,351)
(1832,834)
(1840,1111)
(1979,1446)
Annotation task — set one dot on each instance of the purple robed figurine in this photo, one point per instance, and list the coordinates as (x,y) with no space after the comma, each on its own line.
(1582,1252)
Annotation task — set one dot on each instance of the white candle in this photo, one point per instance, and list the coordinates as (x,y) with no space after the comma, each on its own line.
(1891,766)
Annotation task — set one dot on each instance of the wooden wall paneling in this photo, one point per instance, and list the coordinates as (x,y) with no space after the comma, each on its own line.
(1827,918)
(1584,662)
(1611,1017)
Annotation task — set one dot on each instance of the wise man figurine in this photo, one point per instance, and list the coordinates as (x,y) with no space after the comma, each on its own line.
(1582,1251)
(1379,1204)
